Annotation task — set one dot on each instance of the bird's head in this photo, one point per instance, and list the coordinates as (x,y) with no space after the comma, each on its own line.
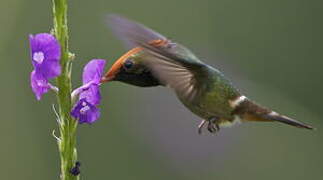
(130,69)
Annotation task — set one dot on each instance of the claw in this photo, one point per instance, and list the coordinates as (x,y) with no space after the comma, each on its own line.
(212,126)
(201,125)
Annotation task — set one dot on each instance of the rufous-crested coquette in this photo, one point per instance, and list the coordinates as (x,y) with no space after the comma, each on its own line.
(154,60)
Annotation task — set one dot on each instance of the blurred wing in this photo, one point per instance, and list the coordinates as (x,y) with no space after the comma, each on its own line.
(130,32)
(173,75)
(174,65)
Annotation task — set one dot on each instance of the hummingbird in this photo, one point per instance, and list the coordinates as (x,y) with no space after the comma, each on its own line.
(154,60)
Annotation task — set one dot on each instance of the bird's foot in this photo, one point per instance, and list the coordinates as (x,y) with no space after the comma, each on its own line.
(212,125)
(200,126)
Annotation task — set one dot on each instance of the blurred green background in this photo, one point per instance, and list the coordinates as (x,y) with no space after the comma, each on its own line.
(272,50)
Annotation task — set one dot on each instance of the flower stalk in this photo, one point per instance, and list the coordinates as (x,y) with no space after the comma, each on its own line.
(67,125)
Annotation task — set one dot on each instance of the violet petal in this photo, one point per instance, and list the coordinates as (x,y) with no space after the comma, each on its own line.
(45,54)
(93,70)
(92,94)
(85,112)
(39,84)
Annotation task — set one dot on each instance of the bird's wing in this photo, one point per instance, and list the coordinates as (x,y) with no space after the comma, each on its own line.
(131,32)
(174,74)
(173,64)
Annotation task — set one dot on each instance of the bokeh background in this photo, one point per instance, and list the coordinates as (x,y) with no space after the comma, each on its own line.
(272,50)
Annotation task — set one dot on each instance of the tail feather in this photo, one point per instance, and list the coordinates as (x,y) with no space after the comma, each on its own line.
(250,111)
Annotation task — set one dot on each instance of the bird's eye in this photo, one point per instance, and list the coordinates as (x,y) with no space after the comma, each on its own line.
(128,64)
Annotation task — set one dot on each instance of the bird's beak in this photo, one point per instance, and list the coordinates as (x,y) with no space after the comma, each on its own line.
(113,71)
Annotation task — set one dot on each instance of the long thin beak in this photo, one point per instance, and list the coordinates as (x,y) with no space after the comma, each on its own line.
(106,79)
(110,75)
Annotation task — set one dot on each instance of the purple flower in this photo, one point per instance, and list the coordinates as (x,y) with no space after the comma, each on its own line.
(89,93)
(93,70)
(75,171)
(45,55)
(39,84)
(85,112)
(92,74)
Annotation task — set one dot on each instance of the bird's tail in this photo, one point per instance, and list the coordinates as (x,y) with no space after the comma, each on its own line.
(250,111)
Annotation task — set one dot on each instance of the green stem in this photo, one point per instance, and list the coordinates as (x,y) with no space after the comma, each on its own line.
(67,126)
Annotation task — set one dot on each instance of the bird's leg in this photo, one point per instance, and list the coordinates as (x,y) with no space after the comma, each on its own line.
(201,125)
(212,125)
